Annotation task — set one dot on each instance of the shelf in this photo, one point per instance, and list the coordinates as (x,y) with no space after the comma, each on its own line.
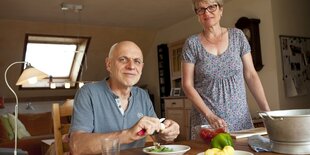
(175,53)
(163,74)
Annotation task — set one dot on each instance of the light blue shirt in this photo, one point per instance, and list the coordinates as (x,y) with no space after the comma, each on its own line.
(96,110)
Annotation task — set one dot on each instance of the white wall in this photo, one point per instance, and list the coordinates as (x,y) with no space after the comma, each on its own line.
(286,17)
(291,17)
(102,38)
(271,73)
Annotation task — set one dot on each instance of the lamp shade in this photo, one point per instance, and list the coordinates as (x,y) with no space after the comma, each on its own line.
(30,75)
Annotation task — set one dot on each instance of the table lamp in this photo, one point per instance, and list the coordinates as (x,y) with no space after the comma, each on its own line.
(29,75)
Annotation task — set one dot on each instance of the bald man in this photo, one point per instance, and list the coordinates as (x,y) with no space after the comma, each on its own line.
(114,107)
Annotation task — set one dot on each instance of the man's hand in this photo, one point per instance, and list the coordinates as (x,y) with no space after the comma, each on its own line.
(171,131)
(145,126)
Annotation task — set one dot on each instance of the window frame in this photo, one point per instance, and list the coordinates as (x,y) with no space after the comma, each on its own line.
(82,43)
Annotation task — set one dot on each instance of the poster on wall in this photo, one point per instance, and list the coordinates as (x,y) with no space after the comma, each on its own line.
(296,64)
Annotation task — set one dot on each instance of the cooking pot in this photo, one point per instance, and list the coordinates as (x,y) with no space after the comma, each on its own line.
(288,130)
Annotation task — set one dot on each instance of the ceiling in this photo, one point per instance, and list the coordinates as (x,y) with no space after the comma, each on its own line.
(146,14)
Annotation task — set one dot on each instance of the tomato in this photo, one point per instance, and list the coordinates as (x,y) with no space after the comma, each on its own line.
(219,130)
(207,134)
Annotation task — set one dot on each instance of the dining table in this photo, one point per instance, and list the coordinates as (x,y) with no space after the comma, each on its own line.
(200,146)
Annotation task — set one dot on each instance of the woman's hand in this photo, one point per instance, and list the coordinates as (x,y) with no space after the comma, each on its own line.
(216,122)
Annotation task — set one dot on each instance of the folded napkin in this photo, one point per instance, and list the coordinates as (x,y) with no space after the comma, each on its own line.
(259,143)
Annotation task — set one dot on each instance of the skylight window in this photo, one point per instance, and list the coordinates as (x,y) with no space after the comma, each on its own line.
(60,57)
(44,56)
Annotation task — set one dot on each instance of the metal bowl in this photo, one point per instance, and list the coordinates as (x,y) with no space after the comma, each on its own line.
(288,127)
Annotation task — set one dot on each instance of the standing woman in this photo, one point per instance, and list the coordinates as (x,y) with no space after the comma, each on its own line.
(216,63)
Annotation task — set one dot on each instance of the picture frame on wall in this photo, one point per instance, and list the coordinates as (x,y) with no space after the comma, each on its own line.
(175,92)
(295,53)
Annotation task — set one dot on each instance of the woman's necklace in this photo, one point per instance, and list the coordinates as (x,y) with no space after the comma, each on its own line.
(215,39)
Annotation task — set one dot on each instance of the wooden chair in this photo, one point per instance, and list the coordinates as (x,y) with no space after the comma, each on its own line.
(61,121)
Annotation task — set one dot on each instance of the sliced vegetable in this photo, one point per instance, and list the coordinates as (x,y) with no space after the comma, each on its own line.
(160,149)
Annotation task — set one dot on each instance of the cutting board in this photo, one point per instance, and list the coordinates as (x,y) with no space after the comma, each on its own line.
(248,132)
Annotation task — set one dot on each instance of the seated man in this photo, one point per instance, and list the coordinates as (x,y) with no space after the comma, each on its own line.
(114,107)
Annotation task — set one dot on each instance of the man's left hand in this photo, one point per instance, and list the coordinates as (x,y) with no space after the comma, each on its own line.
(171,131)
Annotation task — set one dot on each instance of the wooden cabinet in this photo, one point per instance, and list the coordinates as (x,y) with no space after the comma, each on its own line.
(178,109)
(258,122)
(175,52)
(250,28)
(164,75)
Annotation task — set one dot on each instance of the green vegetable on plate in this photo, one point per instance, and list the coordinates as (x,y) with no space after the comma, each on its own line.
(160,149)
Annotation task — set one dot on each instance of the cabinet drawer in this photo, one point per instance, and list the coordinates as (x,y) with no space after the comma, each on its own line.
(187,114)
(174,103)
(187,104)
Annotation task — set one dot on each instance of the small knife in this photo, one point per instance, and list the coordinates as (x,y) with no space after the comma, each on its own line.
(142,132)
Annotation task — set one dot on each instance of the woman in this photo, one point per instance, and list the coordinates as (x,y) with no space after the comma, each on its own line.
(215,64)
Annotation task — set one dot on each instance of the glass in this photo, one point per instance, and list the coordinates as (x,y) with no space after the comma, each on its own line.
(210,9)
(110,146)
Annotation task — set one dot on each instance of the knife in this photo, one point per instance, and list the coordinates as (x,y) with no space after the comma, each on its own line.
(142,132)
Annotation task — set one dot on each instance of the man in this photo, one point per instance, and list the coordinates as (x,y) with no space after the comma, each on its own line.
(115,108)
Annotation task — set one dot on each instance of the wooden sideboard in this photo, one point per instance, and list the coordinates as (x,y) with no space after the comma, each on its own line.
(178,109)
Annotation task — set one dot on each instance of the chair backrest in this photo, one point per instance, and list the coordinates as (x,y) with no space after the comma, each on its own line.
(61,121)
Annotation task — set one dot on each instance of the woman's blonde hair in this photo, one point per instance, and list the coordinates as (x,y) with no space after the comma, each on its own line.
(196,2)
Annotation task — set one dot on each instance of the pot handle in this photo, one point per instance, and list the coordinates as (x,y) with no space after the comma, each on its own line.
(265,114)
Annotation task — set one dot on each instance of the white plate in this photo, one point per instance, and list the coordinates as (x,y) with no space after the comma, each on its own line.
(177,150)
(237,152)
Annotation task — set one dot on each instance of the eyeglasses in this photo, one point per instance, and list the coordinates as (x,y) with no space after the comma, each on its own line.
(210,9)
(126,60)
